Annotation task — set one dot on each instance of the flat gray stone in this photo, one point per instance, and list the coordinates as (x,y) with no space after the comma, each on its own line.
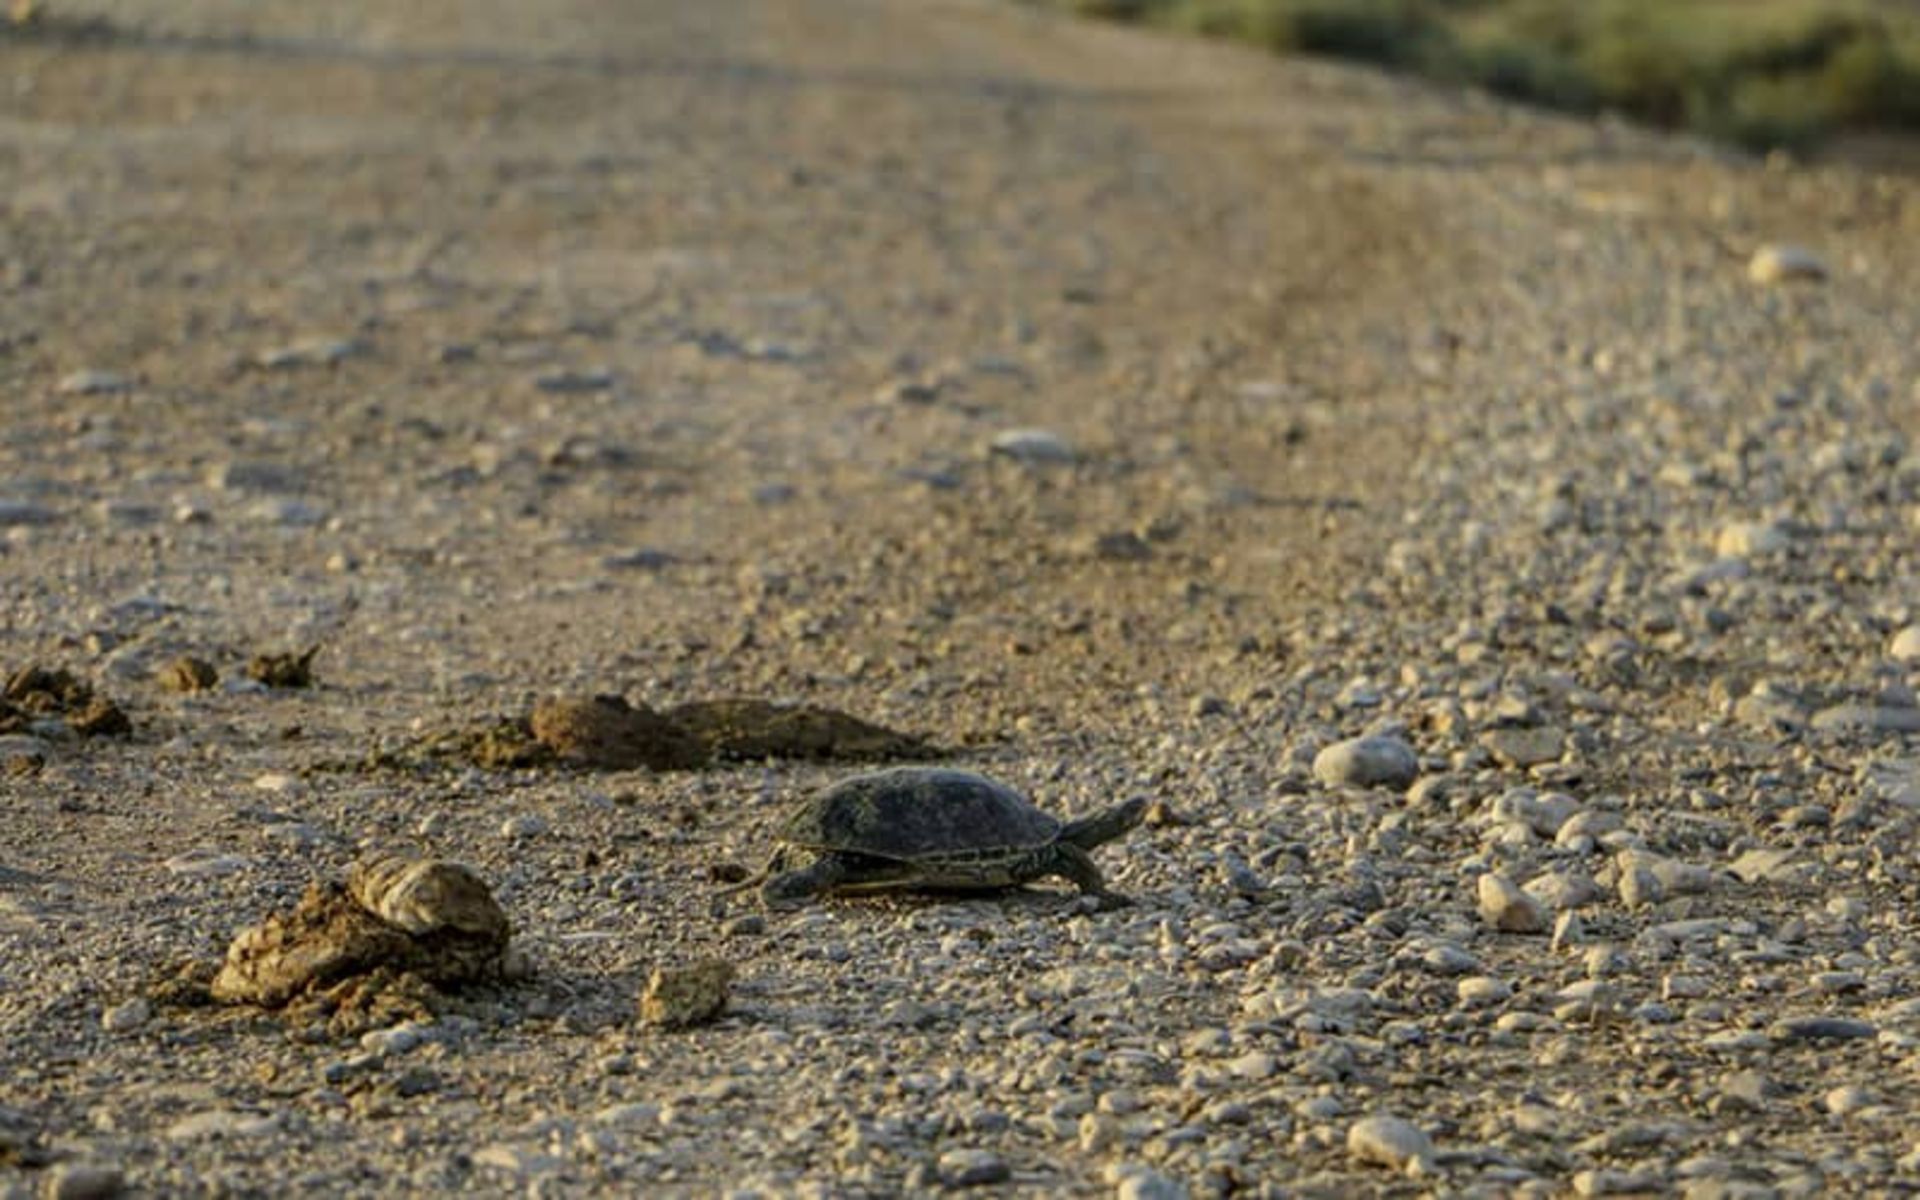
(1867,718)
(1374,761)
(1821,1029)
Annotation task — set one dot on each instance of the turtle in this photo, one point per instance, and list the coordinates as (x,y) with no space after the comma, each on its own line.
(934,827)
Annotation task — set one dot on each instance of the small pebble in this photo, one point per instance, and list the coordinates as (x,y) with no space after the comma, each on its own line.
(973,1168)
(1782,262)
(1037,446)
(523,826)
(85,1181)
(127,1017)
(1149,1185)
(1906,645)
(93,383)
(1509,909)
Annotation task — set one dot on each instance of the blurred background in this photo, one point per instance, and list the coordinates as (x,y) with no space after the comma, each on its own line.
(1817,77)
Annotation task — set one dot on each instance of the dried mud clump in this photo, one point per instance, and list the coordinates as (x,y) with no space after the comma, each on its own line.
(678,997)
(748,729)
(384,943)
(608,733)
(188,674)
(292,670)
(35,693)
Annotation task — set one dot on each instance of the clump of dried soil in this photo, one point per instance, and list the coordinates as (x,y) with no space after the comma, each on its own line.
(187,674)
(607,733)
(383,943)
(35,692)
(289,670)
(610,733)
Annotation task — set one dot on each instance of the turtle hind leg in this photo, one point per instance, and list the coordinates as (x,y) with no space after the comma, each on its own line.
(790,889)
(1069,861)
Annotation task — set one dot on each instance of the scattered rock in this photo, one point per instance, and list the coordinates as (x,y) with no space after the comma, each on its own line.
(1867,719)
(310,352)
(523,826)
(1782,262)
(645,558)
(94,383)
(1522,748)
(1748,539)
(1120,546)
(1390,1142)
(1821,1029)
(245,475)
(85,1181)
(1367,762)
(678,997)
(1906,645)
(1039,446)
(126,1017)
(25,512)
(572,382)
(1506,907)
(973,1168)
(222,1123)
(1149,1185)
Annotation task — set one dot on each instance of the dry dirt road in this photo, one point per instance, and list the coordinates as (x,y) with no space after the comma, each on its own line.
(1126,415)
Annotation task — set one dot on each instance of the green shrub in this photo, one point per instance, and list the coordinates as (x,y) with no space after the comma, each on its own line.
(1763,73)
(1867,81)
(1533,74)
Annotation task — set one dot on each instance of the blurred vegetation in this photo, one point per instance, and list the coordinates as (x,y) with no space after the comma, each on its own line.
(1763,73)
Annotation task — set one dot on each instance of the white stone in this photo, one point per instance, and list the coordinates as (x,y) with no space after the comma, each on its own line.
(1032,446)
(1906,645)
(1482,990)
(1389,1141)
(1783,261)
(200,863)
(221,1123)
(1746,539)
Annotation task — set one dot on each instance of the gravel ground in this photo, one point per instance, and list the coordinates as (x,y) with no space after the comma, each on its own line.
(1505,582)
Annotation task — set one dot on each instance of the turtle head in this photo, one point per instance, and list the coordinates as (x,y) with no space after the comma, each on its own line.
(791,889)
(1105,825)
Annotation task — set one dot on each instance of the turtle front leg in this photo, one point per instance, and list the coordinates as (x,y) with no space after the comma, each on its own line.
(1071,862)
(790,889)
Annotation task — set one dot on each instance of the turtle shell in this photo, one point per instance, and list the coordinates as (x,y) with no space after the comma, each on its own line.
(916,813)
